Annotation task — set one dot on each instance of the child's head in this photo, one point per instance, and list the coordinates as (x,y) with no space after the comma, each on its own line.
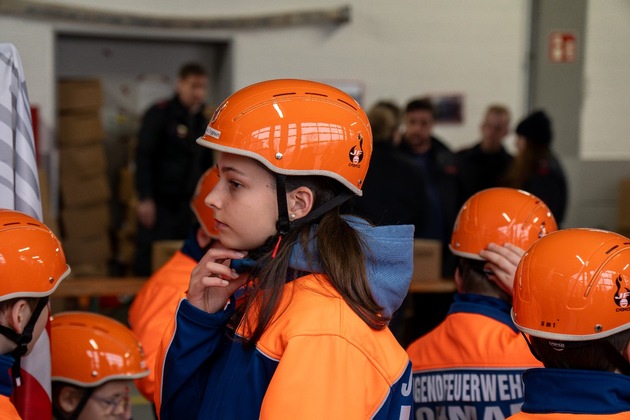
(498,215)
(292,152)
(204,213)
(32,264)
(94,360)
(571,295)
(289,128)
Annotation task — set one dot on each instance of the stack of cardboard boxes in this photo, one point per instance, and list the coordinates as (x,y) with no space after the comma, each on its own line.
(84,185)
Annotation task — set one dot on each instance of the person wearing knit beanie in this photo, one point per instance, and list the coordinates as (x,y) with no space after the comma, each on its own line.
(536,169)
(536,128)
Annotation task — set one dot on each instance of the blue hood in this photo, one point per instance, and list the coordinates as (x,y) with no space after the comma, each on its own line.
(389,260)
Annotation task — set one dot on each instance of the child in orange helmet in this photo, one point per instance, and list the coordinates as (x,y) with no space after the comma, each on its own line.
(571,301)
(32,264)
(94,358)
(311,339)
(470,365)
(155,304)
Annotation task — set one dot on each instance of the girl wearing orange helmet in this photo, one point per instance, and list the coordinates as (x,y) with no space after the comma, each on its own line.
(94,358)
(571,300)
(311,339)
(32,264)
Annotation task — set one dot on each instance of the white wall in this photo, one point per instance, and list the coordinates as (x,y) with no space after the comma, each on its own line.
(605,131)
(395,50)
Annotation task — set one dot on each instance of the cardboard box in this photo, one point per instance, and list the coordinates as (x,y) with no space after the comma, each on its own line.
(83,161)
(427,260)
(162,251)
(85,222)
(80,129)
(624,204)
(77,192)
(79,94)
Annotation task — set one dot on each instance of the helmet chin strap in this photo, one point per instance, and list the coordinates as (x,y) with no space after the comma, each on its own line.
(284,224)
(22,340)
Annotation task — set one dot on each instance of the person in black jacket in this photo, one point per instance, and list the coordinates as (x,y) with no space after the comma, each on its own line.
(536,169)
(394,191)
(484,164)
(169,162)
(439,164)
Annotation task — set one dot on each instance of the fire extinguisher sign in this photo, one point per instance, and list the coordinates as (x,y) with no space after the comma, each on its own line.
(562,47)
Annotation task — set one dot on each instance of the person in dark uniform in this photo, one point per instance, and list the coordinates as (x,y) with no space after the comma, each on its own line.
(169,162)
(536,169)
(439,164)
(395,188)
(485,163)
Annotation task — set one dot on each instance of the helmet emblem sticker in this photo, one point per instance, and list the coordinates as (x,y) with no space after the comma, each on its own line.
(621,298)
(543,230)
(356,154)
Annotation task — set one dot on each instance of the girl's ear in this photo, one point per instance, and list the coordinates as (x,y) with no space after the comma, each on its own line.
(19,315)
(299,202)
(69,399)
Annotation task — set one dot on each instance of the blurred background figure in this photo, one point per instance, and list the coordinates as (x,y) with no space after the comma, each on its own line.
(438,162)
(169,162)
(536,169)
(394,192)
(94,360)
(485,163)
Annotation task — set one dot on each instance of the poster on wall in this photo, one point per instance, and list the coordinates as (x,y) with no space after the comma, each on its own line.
(449,108)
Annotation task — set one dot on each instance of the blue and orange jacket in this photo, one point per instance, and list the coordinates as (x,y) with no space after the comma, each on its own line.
(154,307)
(7,409)
(471,365)
(317,359)
(575,394)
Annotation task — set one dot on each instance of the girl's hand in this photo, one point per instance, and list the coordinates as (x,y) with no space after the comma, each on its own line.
(212,281)
(502,261)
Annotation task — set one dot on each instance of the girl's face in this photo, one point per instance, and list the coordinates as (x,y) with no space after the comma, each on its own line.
(108,401)
(244,202)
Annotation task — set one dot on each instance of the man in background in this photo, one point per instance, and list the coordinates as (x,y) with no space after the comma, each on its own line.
(169,162)
(484,164)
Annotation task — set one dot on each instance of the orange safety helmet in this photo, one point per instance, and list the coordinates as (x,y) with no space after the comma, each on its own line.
(295,127)
(500,215)
(32,262)
(89,349)
(204,214)
(574,285)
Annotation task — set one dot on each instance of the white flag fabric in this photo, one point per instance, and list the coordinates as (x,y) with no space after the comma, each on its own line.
(19,190)
(19,186)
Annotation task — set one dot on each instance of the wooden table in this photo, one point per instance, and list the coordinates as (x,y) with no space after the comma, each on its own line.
(99,286)
(432,286)
(117,286)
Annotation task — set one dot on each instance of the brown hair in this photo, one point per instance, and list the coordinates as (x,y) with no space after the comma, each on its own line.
(335,237)
(525,164)
(475,280)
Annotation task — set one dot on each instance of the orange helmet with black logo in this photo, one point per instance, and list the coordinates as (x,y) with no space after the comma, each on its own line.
(32,262)
(574,285)
(203,213)
(295,127)
(89,349)
(500,215)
